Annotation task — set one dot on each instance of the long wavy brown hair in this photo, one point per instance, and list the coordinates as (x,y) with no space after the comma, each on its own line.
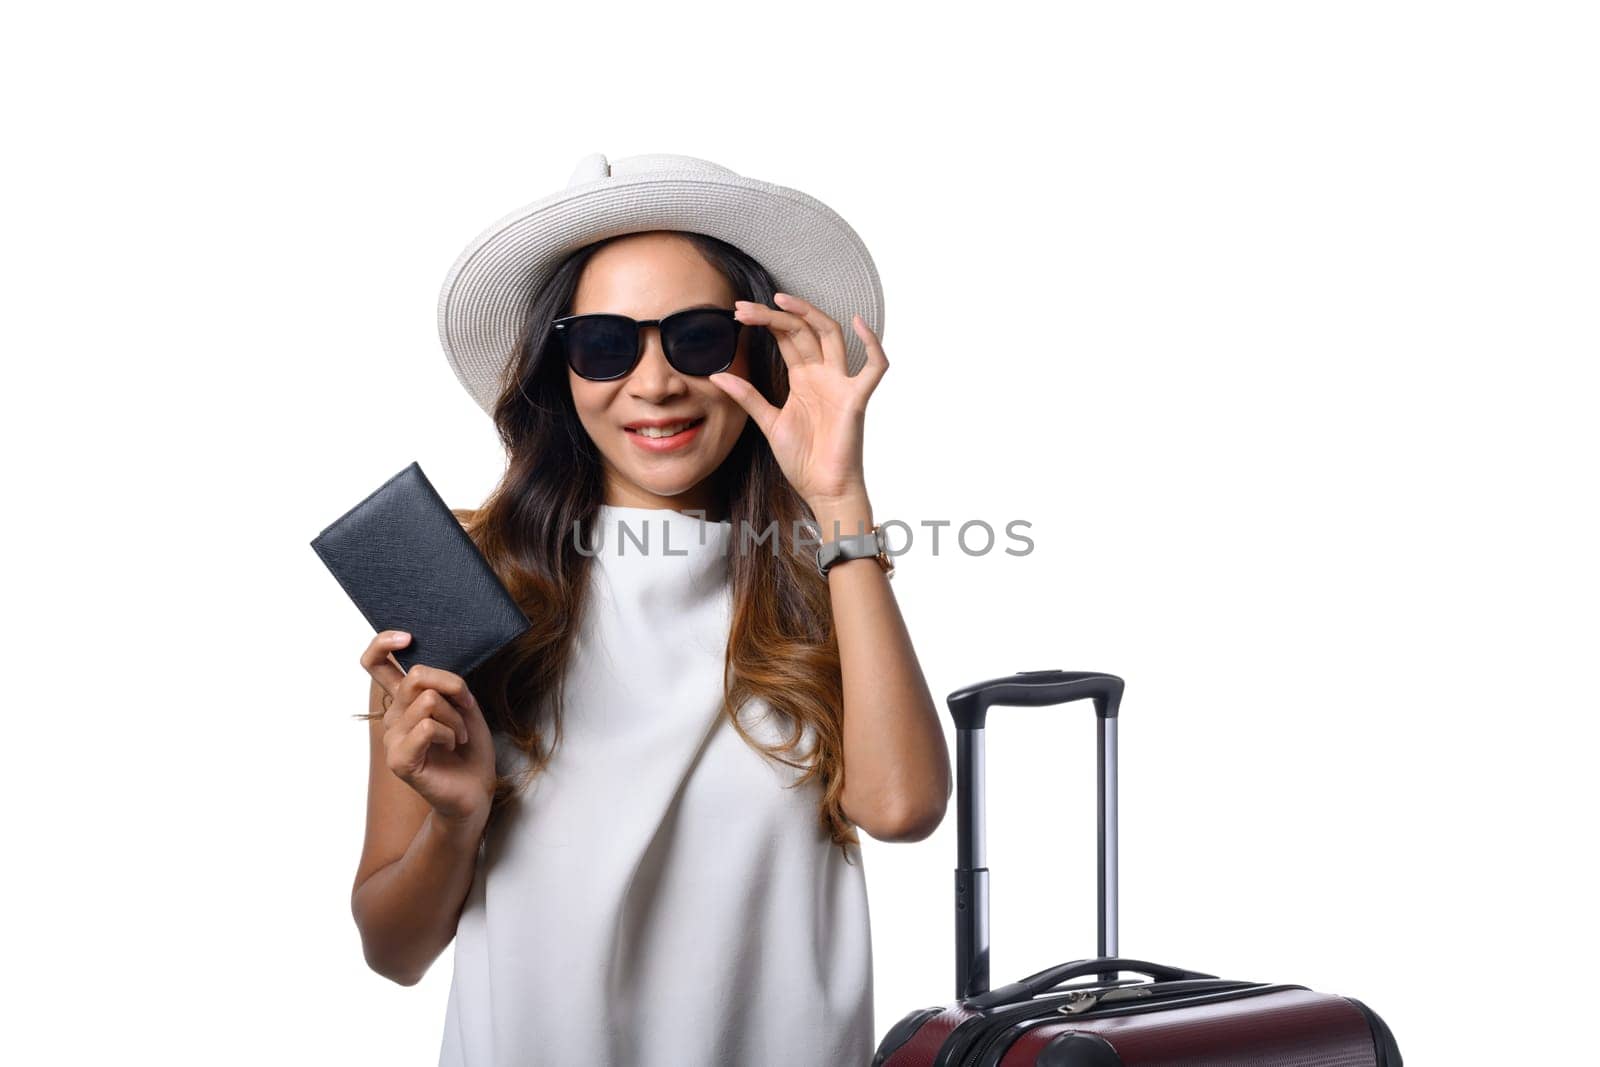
(782,647)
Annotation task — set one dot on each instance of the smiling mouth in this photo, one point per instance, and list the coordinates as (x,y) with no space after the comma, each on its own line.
(666,431)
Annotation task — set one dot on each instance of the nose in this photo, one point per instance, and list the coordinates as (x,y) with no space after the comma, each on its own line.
(653,378)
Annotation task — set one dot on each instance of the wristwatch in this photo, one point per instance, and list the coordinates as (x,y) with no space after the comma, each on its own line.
(869,545)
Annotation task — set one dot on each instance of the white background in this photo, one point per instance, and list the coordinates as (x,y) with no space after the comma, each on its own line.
(1278,322)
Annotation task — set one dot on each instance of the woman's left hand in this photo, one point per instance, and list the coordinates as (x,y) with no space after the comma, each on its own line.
(816,436)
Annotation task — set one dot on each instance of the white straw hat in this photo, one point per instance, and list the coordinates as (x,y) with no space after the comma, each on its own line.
(809,250)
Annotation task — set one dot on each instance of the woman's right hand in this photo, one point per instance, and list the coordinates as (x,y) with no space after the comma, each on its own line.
(435,736)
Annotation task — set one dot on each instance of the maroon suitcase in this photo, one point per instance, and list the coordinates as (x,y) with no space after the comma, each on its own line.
(1081,1014)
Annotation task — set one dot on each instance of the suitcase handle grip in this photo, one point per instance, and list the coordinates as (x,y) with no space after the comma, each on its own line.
(1104,966)
(970,706)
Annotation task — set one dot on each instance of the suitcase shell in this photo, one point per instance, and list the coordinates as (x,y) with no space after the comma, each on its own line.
(1082,1012)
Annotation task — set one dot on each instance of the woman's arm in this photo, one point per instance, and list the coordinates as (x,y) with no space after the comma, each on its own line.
(897,766)
(416,867)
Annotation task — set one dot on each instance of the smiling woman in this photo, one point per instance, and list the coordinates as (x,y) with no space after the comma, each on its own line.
(645,848)
(657,276)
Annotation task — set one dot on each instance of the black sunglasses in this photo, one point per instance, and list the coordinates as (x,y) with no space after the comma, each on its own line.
(603,347)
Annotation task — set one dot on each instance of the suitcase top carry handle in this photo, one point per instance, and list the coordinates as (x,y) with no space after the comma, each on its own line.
(1047,980)
(970,706)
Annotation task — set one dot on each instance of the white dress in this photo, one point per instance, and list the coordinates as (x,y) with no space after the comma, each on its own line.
(656,897)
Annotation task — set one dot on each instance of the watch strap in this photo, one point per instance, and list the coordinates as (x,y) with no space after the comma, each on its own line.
(867,545)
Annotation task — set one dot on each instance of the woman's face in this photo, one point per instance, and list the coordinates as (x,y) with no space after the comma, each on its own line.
(649,276)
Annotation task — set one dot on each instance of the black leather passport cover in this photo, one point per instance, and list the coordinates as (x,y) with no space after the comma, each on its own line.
(404,559)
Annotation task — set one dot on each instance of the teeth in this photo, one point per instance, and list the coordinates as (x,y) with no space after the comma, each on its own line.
(664,431)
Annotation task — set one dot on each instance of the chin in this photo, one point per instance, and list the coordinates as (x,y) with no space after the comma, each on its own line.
(673,490)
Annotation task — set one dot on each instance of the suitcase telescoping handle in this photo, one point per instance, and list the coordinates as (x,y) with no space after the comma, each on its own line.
(969,707)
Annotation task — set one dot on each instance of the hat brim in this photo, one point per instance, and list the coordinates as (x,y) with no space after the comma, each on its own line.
(806,246)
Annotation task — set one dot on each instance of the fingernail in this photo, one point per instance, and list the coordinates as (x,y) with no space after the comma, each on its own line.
(401,635)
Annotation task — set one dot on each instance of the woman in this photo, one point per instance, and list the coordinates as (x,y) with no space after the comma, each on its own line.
(637,821)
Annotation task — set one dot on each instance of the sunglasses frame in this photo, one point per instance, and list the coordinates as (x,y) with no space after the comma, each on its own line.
(560,325)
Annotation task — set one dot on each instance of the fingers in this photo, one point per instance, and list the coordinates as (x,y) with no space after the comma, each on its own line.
(877,362)
(447,683)
(377,661)
(409,752)
(829,336)
(428,704)
(805,335)
(748,397)
(797,341)
(424,692)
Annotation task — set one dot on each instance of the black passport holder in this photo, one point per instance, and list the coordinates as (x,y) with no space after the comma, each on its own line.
(404,559)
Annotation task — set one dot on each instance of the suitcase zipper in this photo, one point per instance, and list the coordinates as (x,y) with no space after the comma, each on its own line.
(1081,1000)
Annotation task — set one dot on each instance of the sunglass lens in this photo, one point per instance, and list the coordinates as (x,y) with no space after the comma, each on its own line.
(602,347)
(701,342)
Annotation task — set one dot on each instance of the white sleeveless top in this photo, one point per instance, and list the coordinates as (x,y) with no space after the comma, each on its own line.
(656,896)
